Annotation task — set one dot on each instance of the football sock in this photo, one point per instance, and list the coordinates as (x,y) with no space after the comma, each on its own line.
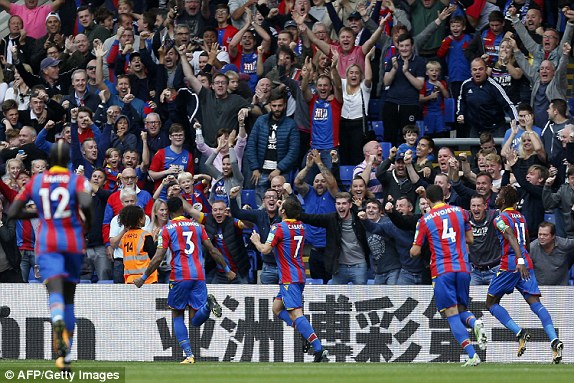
(460,334)
(304,327)
(70,321)
(69,317)
(182,335)
(467,318)
(56,302)
(68,357)
(503,317)
(201,315)
(539,309)
(284,316)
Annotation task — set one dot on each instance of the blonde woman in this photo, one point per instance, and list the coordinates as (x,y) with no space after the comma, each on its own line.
(159,217)
(356,96)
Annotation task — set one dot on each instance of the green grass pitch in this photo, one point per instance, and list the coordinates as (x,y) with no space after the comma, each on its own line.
(143,372)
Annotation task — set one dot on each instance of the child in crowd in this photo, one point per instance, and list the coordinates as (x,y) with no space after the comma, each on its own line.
(411,137)
(39,166)
(195,192)
(452,50)
(112,168)
(432,97)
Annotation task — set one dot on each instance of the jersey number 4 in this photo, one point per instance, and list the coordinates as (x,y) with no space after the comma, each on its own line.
(60,195)
(447,231)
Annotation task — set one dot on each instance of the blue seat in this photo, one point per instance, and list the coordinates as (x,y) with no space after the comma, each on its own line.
(370,281)
(386,146)
(379,129)
(105,281)
(85,281)
(248,197)
(374,111)
(449,110)
(549,217)
(314,281)
(346,174)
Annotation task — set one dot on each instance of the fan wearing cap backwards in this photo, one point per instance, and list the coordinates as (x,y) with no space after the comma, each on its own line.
(54,36)
(32,15)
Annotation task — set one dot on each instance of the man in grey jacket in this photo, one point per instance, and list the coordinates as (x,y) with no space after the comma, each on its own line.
(552,256)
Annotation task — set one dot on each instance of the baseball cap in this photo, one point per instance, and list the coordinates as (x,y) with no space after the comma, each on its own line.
(133,55)
(48,62)
(354,15)
(53,14)
(290,23)
(228,67)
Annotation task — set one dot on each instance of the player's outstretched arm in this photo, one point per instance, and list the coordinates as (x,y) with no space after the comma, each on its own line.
(521,266)
(469,237)
(153,265)
(264,248)
(218,258)
(415,251)
(17,211)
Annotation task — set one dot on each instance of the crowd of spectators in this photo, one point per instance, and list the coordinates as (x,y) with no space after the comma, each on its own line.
(205,98)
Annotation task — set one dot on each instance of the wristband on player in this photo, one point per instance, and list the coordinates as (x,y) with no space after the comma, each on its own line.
(143,277)
(521,261)
(226,269)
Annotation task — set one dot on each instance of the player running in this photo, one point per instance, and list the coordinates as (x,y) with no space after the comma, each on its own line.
(60,197)
(288,237)
(447,230)
(516,271)
(187,287)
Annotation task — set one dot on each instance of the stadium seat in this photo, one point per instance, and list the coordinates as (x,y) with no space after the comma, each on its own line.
(346,174)
(374,111)
(370,282)
(549,217)
(379,129)
(314,281)
(105,281)
(248,197)
(386,146)
(85,281)
(449,110)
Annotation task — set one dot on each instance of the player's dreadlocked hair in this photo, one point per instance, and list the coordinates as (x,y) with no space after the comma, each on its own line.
(60,154)
(510,195)
(131,216)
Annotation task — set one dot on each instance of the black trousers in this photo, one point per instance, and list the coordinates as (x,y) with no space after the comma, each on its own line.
(395,117)
(11,276)
(351,141)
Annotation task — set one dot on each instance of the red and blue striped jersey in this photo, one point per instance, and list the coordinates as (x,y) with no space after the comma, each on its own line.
(325,118)
(166,157)
(444,227)
(287,238)
(55,194)
(510,218)
(184,238)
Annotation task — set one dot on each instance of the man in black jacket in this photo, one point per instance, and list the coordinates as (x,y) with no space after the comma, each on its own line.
(347,250)
(9,254)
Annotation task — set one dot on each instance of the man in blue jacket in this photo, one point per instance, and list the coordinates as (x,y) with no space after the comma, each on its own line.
(273,145)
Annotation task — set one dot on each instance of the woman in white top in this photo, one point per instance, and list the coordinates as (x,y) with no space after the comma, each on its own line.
(356,96)
(19,92)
